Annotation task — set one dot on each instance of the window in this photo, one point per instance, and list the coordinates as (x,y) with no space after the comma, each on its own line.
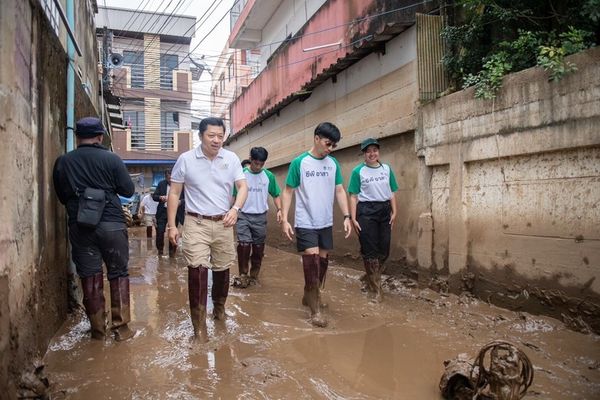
(52,14)
(135,60)
(230,69)
(222,84)
(169,123)
(168,62)
(134,120)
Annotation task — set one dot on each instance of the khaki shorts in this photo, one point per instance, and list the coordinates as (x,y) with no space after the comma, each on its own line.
(208,243)
(149,220)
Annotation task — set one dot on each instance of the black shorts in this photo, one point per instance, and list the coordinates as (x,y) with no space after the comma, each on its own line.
(307,238)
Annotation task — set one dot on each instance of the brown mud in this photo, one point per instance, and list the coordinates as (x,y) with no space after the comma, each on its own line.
(267,348)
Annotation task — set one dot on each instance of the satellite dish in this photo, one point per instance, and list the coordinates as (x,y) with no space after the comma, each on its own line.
(115,60)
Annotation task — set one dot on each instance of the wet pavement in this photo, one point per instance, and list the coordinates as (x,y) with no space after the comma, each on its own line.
(267,349)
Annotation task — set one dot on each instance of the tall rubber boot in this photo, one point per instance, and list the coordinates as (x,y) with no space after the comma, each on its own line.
(243,253)
(258,252)
(310,264)
(219,292)
(149,232)
(119,309)
(198,292)
(373,269)
(93,301)
(323,265)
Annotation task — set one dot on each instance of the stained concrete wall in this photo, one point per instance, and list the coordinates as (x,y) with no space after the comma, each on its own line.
(33,246)
(516,192)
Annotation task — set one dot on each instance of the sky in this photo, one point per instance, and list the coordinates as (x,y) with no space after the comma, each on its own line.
(212,45)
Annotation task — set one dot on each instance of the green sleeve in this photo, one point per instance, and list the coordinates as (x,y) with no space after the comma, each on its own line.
(273,186)
(293,176)
(338,173)
(354,183)
(393,184)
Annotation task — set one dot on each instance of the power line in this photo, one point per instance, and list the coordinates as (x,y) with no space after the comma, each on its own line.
(185,33)
(355,21)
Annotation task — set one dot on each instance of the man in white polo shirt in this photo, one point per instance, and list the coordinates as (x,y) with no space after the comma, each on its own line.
(316,177)
(207,175)
(251,226)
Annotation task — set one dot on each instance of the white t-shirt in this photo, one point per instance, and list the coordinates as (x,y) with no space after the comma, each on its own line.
(260,186)
(149,205)
(372,183)
(315,180)
(208,184)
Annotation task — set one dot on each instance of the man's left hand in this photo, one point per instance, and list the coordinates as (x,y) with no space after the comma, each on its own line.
(230,218)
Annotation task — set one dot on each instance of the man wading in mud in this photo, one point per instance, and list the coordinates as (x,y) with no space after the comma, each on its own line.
(87,181)
(207,175)
(316,177)
(251,226)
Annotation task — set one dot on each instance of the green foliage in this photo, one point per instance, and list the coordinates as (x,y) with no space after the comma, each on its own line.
(496,37)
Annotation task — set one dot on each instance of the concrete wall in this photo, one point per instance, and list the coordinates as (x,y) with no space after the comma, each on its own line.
(516,192)
(33,247)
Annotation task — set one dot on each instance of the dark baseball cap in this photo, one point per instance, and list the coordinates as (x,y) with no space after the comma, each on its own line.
(89,127)
(367,142)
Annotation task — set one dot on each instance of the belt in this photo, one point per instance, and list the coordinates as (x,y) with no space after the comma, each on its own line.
(208,217)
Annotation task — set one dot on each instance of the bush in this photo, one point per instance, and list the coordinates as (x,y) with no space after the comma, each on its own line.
(497,37)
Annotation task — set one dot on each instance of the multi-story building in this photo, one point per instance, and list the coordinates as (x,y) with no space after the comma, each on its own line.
(233,72)
(149,69)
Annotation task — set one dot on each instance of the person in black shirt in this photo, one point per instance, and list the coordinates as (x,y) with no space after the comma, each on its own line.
(160,195)
(92,166)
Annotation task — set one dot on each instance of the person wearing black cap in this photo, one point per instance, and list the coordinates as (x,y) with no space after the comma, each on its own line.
(89,180)
(373,211)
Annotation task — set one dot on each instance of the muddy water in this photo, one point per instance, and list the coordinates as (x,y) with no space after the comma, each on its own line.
(267,349)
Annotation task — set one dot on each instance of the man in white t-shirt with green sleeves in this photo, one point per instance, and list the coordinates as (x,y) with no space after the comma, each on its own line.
(251,226)
(316,178)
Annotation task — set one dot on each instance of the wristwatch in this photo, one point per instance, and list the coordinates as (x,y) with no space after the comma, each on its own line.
(347,216)
(236,208)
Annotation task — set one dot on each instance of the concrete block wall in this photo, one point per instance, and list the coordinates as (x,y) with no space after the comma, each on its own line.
(33,246)
(516,191)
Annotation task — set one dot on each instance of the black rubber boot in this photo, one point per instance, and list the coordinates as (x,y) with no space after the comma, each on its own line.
(94,303)
(198,292)
(119,309)
(310,263)
(219,292)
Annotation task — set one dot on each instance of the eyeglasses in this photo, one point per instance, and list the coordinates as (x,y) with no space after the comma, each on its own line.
(328,143)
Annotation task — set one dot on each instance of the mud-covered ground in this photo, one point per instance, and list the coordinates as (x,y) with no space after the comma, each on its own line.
(267,349)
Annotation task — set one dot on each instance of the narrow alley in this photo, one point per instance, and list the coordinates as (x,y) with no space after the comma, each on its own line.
(267,348)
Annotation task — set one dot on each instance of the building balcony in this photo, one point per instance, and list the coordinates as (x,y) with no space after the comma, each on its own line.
(247,24)
(176,86)
(328,43)
(161,150)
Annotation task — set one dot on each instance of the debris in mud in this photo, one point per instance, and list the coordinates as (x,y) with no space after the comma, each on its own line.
(501,371)
(439,284)
(576,323)
(34,385)
(468,281)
